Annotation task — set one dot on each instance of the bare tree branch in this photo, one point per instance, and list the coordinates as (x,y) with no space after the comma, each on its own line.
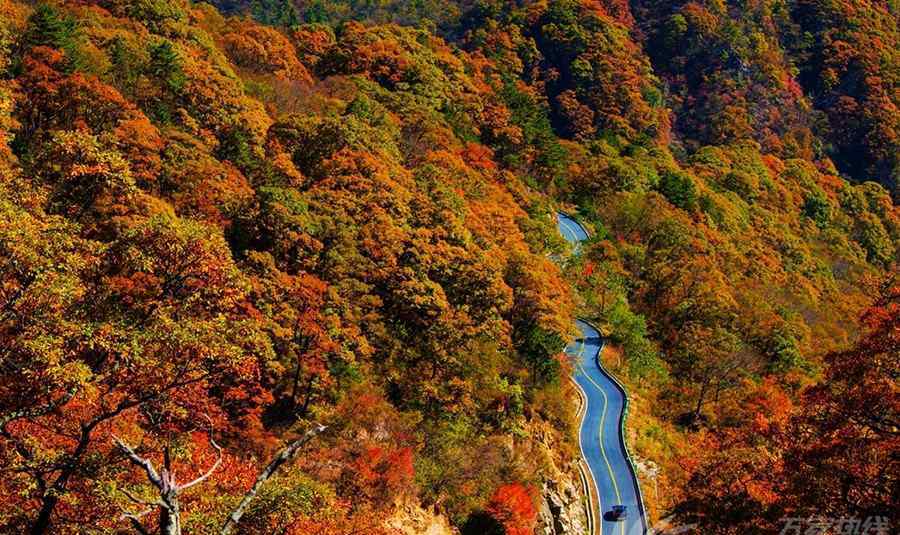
(212,469)
(34,412)
(141,501)
(152,475)
(167,486)
(135,519)
(283,456)
(169,489)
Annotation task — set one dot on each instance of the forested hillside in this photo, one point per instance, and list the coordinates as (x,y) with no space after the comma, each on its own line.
(224,225)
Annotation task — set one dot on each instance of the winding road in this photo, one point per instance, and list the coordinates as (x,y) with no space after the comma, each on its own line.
(601,434)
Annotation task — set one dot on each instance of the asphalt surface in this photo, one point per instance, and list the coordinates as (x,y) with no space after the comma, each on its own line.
(600,434)
(571,230)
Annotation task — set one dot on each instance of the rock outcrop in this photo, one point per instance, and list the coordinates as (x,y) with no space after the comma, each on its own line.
(561,508)
(410,518)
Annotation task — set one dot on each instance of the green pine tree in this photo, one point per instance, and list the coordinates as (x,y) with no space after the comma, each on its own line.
(165,65)
(125,66)
(275,12)
(48,27)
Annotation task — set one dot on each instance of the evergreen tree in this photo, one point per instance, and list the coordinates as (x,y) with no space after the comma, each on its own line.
(679,189)
(48,27)
(275,12)
(125,66)
(165,64)
(539,347)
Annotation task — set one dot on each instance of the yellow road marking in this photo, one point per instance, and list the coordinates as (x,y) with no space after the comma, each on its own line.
(575,240)
(578,358)
(609,469)
(570,231)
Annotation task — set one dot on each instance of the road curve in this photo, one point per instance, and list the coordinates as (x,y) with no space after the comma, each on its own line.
(601,434)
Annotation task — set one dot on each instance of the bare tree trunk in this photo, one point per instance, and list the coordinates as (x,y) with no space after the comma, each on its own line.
(168,487)
(50,499)
(170,518)
(170,513)
(295,387)
(308,395)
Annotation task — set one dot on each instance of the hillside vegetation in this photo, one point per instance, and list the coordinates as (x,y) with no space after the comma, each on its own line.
(220,229)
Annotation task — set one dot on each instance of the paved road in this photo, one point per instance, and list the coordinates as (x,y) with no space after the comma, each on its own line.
(571,230)
(601,440)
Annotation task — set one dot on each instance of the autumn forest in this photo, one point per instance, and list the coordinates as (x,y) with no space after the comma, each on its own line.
(292,266)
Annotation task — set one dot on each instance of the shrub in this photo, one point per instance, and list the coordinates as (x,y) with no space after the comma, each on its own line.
(679,189)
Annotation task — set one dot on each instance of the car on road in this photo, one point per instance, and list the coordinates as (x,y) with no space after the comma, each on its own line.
(619,512)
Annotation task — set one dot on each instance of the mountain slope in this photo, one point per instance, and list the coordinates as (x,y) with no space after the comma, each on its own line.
(195,238)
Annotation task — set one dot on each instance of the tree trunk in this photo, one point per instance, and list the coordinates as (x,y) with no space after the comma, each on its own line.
(307,396)
(48,504)
(700,398)
(170,516)
(295,387)
(51,497)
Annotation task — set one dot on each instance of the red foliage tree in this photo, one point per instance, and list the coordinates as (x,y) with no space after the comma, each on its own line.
(512,505)
(843,448)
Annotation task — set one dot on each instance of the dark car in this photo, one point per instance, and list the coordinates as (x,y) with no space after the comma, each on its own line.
(619,512)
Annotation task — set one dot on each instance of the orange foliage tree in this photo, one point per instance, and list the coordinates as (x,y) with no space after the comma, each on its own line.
(512,505)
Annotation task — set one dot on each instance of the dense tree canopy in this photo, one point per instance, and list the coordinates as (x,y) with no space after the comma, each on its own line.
(220,229)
